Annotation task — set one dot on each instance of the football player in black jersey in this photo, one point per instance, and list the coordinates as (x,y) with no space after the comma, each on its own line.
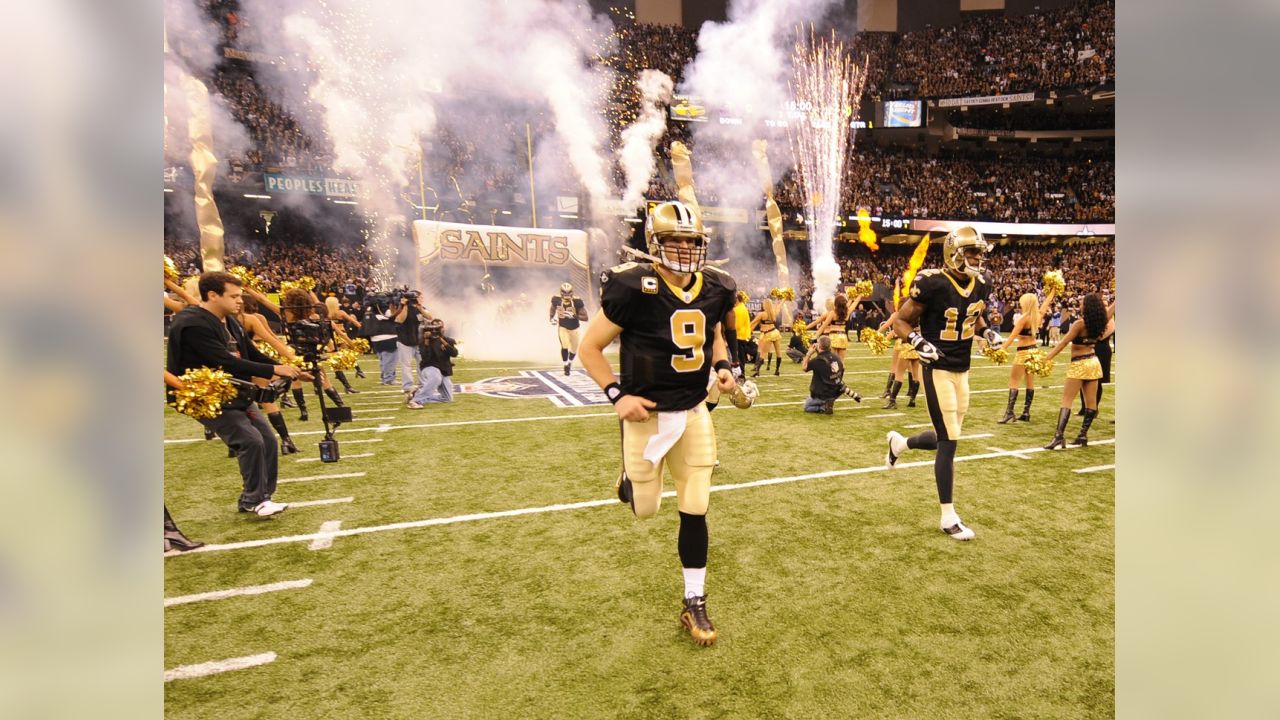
(672,316)
(949,307)
(567,312)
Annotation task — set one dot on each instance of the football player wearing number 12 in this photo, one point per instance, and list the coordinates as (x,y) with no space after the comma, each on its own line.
(949,307)
(672,316)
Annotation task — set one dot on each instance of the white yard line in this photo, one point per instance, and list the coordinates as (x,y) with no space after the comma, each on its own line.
(309,478)
(538,418)
(1011,454)
(344,457)
(413,524)
(1095,468)
(236,592)
(313,503)
(372,408)
(324,541)
(559,391)
(357,418)
(897,414)
(357,442)
(184,672)
(918,425)
(975,437)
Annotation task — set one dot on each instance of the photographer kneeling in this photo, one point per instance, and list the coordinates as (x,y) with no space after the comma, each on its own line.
(828,378)
(437,366)
(207,335)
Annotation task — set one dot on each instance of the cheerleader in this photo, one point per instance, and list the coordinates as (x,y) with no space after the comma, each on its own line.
(259,332)
(1025,324)
(338,316)
(302,305)
(834,323)
(1085,371)
(906,365)
(770,337)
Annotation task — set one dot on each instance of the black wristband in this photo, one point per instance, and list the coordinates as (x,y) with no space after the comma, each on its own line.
(723,365)
(613,391)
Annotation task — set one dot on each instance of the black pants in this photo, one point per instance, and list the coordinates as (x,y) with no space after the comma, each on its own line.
(248,433)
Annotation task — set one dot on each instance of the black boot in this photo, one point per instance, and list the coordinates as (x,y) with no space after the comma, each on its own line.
(208,434)
(1083,438)
(231,452)
(173,537)
(301,400)
(893,396)
(286,443)
(1026,407)
(1080,412)
(913,387)
(888,385)
(1064,415)
(1008,409)
(777,369)
(346,385)
(359,372)
(334,396)
(756,372)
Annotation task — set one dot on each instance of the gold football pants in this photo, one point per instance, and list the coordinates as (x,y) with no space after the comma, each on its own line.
(569,339)
(947,395)
(691,460)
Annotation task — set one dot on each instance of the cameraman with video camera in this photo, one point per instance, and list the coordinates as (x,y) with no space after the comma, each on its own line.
(408,333)
(381,330)
(207,335)
(438,351)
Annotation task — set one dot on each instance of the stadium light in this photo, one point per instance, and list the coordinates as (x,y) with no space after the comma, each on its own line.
(569,217)
(505,212)
(258,197)
(168,189)
(343,202)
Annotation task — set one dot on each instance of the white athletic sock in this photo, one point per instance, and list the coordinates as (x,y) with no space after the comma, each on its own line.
(694,580)
(949,516)
(899,444)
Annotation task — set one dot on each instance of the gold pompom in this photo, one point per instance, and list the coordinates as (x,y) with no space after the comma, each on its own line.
(360,345)
(246,276)
(999,356)
(204,392)
(344,359)
(1036,365)
(877,341)
(862,287)
(1054,282)
(788,294)
(170,270)
(306,282)
(800,329)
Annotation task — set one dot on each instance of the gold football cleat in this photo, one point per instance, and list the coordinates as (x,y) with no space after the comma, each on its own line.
(694,619)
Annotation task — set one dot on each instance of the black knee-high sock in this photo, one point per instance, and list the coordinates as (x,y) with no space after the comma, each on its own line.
(1026,404)
(333,396)
(277,421)
(342,378)
(564,354)
(893,391)
(944,469)
(693,540)
(888,383)
(913,387)
(572,355)
(300,398)
(927,440)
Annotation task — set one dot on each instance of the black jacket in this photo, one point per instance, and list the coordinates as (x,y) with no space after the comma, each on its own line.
(197,338)
(828,376)
(438,354)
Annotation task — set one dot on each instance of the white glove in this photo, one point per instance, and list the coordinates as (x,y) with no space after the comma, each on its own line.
(925,349)
(993,338)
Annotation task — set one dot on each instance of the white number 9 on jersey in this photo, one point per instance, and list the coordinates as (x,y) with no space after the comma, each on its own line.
(689,333)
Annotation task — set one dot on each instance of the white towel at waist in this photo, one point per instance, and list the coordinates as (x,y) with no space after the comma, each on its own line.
(670,427)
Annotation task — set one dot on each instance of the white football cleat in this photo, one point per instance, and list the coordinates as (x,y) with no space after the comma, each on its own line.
(958,531)
(267,508)
(890,457)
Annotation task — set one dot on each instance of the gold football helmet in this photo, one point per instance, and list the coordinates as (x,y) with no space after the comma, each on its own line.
(566,290)
(671,220)
(956,243)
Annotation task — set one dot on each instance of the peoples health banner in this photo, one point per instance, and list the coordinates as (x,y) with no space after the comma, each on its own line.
(500,245)
(329,187)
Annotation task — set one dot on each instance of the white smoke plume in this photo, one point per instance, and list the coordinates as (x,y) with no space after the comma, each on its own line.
(641,137)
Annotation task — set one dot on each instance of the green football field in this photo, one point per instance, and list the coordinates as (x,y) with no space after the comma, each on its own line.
(477,565)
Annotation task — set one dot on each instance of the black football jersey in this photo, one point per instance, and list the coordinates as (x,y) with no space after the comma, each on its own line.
(951,311)
(667,332)
(567,313)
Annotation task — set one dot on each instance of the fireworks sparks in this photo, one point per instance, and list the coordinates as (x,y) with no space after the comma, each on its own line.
(826,85)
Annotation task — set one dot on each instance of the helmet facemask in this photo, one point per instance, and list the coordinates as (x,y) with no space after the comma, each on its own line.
(685,258)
